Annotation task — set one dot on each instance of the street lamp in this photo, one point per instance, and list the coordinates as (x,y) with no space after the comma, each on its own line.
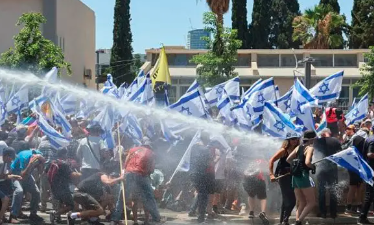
(308,70)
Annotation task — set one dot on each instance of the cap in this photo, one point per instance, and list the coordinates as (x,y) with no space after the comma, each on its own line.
(94,126)
(368,121)
(309,135)
(351,127)
(292,135)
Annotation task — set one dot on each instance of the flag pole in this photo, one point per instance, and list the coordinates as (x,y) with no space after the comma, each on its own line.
(120,164)
(318,161)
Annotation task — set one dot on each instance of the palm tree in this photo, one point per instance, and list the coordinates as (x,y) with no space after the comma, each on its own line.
(314,26)
(218,7)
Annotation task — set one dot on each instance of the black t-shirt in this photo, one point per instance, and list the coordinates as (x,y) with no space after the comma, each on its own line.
(369,148)
(323,147)
(62,179)
(201,157)
(92,186)
(359,143)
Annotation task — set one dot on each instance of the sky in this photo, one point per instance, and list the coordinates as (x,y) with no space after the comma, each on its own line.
(156,22)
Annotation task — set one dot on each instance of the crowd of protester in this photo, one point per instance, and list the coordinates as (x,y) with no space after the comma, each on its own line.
(85,180)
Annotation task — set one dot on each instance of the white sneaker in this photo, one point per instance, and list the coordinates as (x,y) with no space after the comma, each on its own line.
(243,211)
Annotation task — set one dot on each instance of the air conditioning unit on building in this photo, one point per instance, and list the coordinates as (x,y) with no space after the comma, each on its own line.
(88,73)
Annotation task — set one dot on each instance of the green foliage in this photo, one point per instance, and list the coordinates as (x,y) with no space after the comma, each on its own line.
(333,5)
(362,30)
(259,29)
(314,28)
(31,51)
(214,68)
(283,12)
(366,83)
(121,60)
(137,64)
(239,21)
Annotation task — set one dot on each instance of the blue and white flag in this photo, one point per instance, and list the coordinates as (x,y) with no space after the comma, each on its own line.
(358,112)
(351,160)
(18,102)
(190,104)
(301,98)
(253,86)
(122,90)
(277,124)
(322,124)
(143,94)
(172,136)
(230,86)
(284,102)
(224,106)
(328,89)
(353,103)
(193,86)
(56,139)
(69,104)
(131,127)
(110,88)
(185,163)
(106,120)
(277,92)
(60,120)
(255,100)
(218,141)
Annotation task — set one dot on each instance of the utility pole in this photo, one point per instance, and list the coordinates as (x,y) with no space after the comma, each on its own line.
(98,67)
(308,71)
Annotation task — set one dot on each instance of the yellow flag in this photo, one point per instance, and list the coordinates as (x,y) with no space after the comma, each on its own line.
(161,72)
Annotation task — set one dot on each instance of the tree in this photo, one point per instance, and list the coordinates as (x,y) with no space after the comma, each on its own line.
(366,83)
(214,68)
(31,51)
(314,28)
(333,5)
(362,30)
(259,30)
(137,64)
(121,60)
(282,14)
(239,21)
(219,7)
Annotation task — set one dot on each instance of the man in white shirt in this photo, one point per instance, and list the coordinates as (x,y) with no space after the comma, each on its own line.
(90,150)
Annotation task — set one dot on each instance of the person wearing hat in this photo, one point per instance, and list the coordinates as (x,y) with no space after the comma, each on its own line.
(349,132)
(369,195)
(285,183)
(19,144)
(301,163)
(90,150)
(327,172)
(138,166)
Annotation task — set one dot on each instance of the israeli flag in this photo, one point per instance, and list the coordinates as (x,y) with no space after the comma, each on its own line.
(247,93)
(130,89)
(122,90)
(185,163)
(323,123)
(230,86)
(69,104)
(56,139)
(172,136)
(301,98)
(18,102)
(328,89)
(143,94)
(217,140)
(256,99)
(60,120)
(131,127)
(243,117)
(106,119)
(284,102)
(277,93)
(351,160)
(190,104)
(224,106)
(195,85)
(358,112)
(277,124)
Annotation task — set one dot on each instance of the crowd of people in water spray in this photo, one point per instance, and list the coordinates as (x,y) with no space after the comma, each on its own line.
(91,182)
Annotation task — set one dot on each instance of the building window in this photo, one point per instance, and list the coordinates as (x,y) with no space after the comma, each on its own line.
(346,81)
(322,60)
(180,60)
(186,81)
(172,94)
(183,90)
(346,60)
(343,101)
(289,60)
(243,60)
(268,60)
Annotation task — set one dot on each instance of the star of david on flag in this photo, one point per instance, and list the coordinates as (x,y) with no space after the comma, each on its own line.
(328,89)
(358,112)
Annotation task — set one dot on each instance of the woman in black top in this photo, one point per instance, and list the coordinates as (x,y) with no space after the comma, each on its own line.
(285,183)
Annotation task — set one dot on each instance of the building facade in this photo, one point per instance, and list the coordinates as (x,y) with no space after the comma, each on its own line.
(194,39)
(253,64)
(70,25)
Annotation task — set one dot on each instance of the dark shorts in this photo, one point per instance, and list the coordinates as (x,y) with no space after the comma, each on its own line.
(354,179)
(219,186)
(64,196)
(86,201)
(255,187)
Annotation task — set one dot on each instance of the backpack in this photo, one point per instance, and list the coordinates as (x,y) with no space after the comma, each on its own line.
(297,164)
(54,167)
